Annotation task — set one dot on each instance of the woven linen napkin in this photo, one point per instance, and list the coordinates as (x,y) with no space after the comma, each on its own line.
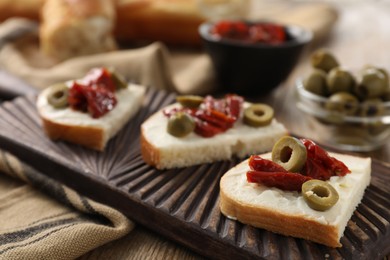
(34,226)
(149,65)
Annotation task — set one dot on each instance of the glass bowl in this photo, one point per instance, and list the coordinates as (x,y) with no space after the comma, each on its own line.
(346,132)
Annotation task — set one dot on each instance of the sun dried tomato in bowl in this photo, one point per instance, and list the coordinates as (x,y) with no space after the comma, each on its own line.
(261,32)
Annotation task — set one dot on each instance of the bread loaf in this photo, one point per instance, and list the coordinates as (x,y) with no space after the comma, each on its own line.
(20,8)
(286,212)
(80,128)
(169,21)
(165,151)
(71,28)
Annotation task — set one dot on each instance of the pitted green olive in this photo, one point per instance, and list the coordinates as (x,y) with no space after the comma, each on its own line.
(384,71)
(339,80)
(180,124)
(190,101)
(58,95)
(342,102)
(374,83)
(372,107)
(323,60)
(290,153)
(319,195)
(258,115)
(316,82)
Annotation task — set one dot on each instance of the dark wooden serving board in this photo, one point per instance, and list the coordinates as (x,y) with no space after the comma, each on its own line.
(182,204)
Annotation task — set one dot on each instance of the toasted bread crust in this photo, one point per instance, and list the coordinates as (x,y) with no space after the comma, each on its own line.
(279,223)
(91,137)
(150,154)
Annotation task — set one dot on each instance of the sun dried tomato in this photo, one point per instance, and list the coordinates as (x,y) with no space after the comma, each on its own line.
(205,129)
(283,180)
(231,29)
(214,116)
(95,93)
(269,33)
(258,163)
(101,78)
(77,99)
(100,101)
(234,105)
(319,165)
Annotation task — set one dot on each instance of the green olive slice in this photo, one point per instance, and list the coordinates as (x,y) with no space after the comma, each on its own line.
(258,115)
(180,124)
(290,153)
(58,95)
(190,101)
(319,195)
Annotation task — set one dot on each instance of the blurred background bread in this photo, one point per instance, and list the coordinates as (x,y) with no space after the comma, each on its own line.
(20,8)
(170,21)
(71,28)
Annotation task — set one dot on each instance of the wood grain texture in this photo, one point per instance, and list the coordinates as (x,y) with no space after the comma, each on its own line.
(181,204)
(360,36)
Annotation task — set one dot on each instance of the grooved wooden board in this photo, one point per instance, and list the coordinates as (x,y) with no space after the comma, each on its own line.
(182,204)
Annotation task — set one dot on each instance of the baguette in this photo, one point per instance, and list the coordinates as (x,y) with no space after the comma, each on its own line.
(29,9)
(286,212)
(80,128)
(73,28)
(170,21)
(164,151)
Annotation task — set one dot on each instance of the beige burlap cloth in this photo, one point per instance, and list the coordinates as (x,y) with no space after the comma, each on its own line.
(42,219)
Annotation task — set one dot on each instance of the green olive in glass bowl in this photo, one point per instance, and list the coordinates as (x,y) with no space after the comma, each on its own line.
(346,124)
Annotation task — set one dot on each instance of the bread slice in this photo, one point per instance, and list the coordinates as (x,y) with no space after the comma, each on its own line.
(164,151)
(286,212)
(80,128)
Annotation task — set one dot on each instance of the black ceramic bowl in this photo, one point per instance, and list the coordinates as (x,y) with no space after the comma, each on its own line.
(253,69)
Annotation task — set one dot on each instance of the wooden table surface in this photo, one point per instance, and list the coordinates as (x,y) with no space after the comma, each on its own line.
(361,36)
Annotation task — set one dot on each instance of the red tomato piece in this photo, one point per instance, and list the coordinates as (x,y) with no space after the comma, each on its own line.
(257,163)
(214,116)
(100,77)
(283,180)
(268,33)
(320,165)
(100,101)
(94,93)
